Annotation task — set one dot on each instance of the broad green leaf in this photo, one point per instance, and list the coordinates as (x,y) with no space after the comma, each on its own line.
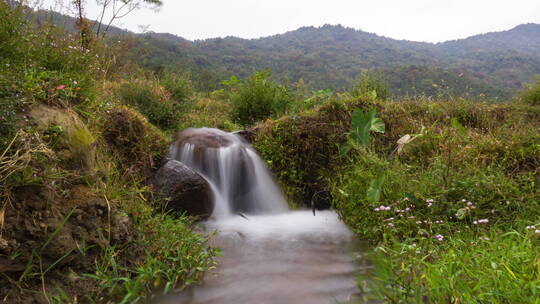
(362,124)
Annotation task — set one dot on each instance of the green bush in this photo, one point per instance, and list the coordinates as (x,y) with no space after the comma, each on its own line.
(179,86)
(153,101)
(531,95)
(258,98)
(370,86)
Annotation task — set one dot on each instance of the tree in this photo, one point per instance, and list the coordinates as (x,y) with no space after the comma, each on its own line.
(111,10)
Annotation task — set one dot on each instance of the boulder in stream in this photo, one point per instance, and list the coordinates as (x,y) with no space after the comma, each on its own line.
(188,191)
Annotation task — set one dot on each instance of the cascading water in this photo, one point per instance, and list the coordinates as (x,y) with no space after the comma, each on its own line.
(270,254)
(240,180)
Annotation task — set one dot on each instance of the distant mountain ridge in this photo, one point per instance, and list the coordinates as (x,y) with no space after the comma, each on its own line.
(495,64)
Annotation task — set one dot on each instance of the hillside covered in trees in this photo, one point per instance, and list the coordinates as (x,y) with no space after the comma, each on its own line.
(494,64)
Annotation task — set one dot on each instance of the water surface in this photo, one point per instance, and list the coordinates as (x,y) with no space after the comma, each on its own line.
(292,257)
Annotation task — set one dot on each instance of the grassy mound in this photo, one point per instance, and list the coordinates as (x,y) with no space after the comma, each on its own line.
(302,150)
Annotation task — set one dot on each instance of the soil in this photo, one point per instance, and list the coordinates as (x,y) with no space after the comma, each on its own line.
(61,236)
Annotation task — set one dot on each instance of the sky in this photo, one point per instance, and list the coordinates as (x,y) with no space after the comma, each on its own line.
(417,20)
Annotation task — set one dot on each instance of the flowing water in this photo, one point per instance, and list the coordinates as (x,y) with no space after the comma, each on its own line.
(270,254)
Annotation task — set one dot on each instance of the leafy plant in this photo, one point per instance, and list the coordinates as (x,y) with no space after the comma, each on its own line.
(362,125)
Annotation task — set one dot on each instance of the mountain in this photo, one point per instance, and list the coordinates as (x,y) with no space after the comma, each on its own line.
(493,64)
(496,64)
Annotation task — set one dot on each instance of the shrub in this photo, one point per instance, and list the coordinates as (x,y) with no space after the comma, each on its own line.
(152,100)
(370,86)
(179,86)
(258,98)
(531,95)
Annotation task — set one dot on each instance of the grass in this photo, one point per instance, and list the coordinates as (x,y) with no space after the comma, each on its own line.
(450,222)
(466,267)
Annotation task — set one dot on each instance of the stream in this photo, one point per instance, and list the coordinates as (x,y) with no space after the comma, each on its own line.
(270,254)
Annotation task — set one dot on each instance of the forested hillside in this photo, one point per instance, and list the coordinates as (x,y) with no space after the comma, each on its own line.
(493,65)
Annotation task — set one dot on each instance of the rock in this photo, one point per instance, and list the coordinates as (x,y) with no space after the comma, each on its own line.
(72,140)
(205,150)
(188,191)
(247,135)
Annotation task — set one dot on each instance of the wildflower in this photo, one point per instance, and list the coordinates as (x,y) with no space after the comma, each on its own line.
(531,227)
(60,87)
(429,204)
(390,225)
(464,200)
(406,198)
(389,219)
(418,222)
(483,238)
(482,221)
(537,231)
(430,200)
(469,204)
(411,217)
(439,237)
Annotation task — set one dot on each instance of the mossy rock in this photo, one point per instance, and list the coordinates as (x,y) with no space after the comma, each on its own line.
(68,136)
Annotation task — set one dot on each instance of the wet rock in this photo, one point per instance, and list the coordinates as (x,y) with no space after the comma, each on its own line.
(188,191)
(223,158)
(248,135)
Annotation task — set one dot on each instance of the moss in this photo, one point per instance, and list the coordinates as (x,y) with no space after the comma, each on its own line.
(73,142)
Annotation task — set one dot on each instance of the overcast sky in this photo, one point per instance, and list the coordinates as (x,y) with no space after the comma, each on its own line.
(418,20)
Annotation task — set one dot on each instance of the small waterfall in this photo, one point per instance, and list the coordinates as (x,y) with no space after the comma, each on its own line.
(239,178)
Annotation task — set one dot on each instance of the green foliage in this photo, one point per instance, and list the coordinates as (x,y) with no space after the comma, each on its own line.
(373,194)
(40,64)
(258,98)
(316,99)
(531,95)
(493,65)
(179,86)
(440,216)
(370,86)
(133,139)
